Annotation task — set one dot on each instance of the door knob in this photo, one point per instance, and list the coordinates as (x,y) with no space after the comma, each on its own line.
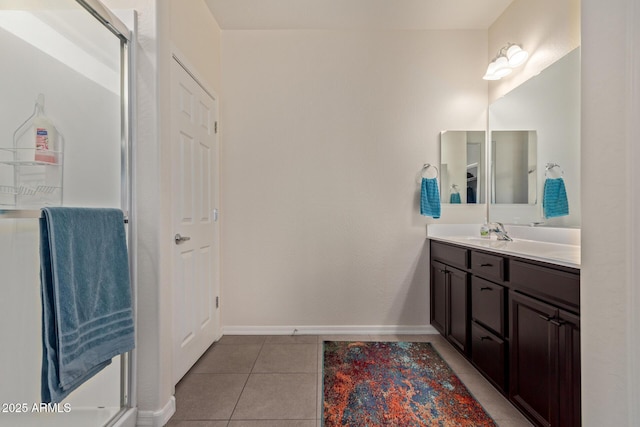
(179,239)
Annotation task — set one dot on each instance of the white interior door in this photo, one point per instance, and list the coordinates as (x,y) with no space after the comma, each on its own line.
(195,240)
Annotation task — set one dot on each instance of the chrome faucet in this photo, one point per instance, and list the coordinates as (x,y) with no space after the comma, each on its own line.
(500,232)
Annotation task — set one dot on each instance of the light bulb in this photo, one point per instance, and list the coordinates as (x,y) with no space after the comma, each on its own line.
(491,72)
(502,67)
(516,55)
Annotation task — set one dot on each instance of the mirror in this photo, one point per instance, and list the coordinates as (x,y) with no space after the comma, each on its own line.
(514,162)
(545,111)
(462,177)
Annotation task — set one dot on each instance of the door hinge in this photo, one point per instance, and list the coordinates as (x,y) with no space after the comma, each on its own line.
(215,127)
(216,214)
(217,302)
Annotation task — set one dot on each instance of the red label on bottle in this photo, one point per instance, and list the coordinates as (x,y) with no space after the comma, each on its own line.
(42,139)
(42,147)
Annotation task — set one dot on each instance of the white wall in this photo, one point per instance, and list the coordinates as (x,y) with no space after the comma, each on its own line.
(196,34)
(609,287)
(324,133)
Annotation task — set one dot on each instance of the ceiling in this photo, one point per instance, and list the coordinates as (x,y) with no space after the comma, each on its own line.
(356,14)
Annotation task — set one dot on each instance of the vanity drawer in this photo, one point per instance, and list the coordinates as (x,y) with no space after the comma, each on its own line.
(556,286)
(487,265)
(488,304)
(449,254)
(488,353)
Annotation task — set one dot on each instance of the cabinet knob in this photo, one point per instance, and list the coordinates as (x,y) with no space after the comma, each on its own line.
(486,265)
(486,288)
(485,338)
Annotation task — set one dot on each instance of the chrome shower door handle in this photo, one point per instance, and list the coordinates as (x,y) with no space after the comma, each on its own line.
(179,239)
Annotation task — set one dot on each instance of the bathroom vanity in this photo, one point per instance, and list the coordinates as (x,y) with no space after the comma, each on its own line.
(513,310)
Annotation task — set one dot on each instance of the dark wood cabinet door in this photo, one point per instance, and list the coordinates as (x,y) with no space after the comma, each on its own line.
(534,359)
(488,353)
(569,369)
(438,296)
(458,316)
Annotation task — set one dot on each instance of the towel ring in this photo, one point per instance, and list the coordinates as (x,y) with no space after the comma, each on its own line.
(425,168)
(551,166)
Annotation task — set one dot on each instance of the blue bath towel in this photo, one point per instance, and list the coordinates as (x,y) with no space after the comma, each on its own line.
(87,315)
(554,198)
(430,198)
(455,198)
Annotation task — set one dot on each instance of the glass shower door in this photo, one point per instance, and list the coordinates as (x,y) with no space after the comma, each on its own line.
(66,51)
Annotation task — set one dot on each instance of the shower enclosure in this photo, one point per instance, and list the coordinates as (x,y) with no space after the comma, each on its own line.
(74,55)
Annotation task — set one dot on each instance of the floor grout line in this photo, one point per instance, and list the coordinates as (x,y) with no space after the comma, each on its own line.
(246,382)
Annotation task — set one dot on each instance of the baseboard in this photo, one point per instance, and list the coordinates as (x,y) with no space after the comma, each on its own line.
(128,419)
(330,330)
(157,418)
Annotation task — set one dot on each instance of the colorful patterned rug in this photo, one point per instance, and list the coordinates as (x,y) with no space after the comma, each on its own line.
(394,384)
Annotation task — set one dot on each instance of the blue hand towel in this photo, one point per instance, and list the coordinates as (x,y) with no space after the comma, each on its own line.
(430,198)
(455,198)
(471,195)
(87,315)
(554,198)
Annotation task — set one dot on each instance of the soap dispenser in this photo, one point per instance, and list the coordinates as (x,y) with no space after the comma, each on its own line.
(484,230)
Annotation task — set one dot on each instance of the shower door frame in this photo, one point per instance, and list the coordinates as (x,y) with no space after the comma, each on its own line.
(127,91)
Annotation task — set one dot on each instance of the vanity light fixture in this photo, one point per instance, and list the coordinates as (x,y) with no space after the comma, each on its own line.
(508,57)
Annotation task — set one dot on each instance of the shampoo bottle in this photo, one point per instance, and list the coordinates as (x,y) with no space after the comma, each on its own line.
(37,138)
(46,135)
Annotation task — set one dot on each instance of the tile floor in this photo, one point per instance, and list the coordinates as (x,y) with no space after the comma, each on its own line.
(276,381)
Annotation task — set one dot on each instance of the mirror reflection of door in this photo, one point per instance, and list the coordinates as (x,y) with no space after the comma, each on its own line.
(514,165)
(461,167)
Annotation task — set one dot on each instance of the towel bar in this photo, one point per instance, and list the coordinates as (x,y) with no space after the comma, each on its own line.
(31,213)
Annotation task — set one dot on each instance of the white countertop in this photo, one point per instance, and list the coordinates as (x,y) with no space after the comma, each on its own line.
(562,251)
